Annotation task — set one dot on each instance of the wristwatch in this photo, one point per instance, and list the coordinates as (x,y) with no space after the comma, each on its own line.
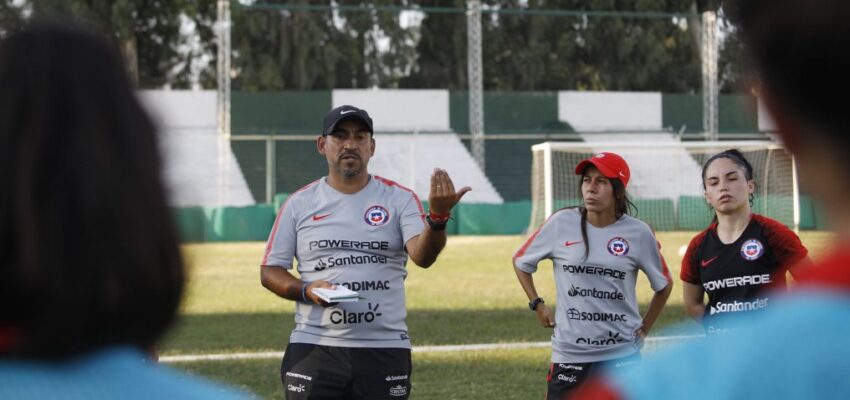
(436,225)
(533,303)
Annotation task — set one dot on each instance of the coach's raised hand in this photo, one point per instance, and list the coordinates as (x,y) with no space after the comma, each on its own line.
(443,196)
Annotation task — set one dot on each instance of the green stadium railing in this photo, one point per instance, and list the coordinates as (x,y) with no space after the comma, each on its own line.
(509,218)
(693,213)
(253,223)
(807,213)
(658,213)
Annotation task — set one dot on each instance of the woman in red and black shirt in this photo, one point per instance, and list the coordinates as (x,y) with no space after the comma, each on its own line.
(740,254)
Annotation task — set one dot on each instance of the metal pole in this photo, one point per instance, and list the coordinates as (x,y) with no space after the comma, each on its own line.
(271,162)
(413,146)
(796,194)
(476,80)
(548,182)
(223,97)
(709,75)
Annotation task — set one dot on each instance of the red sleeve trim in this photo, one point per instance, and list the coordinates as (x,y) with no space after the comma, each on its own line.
(786,245)
(690,272)
(391,183)
(664,268)
(530,240)
(277,220)
(525,245)
(663,262)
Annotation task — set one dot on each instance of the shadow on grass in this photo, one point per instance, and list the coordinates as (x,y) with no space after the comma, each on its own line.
(214,333)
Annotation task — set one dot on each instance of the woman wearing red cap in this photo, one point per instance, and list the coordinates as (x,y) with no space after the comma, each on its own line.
(740,254)
(596,250)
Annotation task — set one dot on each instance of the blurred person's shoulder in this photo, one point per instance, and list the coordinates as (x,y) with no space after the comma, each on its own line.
(796,349)
(119,372)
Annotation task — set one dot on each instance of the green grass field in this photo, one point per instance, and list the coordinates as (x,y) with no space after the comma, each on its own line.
(469,296)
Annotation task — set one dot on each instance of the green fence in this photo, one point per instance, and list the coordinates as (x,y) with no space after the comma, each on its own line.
(225,224)
(514,121)
(253,223)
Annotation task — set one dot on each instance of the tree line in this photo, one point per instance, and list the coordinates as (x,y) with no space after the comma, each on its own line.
(295,45)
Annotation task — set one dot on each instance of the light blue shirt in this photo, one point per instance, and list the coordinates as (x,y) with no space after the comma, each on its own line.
(799,349)
(114,373)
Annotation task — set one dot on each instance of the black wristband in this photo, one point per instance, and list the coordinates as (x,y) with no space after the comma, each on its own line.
(534,303)
(304,291)
(435,226)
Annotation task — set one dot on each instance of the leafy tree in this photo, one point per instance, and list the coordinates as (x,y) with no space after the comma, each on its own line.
(147,31)
(288,48)
(296,49)
(541,52)
(10,17)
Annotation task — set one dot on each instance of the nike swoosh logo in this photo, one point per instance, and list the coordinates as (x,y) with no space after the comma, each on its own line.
(321,217)
(343,112)
(568,243)
(709,261)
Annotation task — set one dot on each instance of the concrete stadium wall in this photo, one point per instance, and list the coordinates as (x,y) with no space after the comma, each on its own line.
(400,110)
(610,111)
(765,120)
(301,112)
(189,146)
(534,115)
(411,159)
(498,203)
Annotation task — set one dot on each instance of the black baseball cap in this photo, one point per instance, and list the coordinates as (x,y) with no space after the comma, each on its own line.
(344,113)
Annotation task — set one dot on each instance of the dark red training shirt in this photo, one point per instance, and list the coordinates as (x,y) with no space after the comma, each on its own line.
(735,275)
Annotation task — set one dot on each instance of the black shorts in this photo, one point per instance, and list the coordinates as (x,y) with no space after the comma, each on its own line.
(564,379)
(311,371)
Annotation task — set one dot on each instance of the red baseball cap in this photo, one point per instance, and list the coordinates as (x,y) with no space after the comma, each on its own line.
(611,165)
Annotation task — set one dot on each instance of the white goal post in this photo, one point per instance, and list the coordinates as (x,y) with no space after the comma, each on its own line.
(666,182)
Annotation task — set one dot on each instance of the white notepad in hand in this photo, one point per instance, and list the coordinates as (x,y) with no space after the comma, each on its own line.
(338,294)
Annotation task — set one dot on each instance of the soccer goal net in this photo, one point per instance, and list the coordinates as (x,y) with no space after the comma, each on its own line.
(666,180)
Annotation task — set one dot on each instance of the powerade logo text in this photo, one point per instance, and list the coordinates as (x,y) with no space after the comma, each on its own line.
(350,260)
(299,376)
(590,270)
(348,244)
(575,314)
(349,317)
(596,293)
(737,281)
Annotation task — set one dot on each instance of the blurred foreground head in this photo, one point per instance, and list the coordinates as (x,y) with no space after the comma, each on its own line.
(88,252)
(799,48)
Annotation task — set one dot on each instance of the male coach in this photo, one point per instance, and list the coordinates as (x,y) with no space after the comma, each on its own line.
(355,230)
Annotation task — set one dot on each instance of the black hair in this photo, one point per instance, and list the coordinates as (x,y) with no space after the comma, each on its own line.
(736,157)
(622,205)
(88,251)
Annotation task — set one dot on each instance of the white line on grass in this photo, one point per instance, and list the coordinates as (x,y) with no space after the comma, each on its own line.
(653,342)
